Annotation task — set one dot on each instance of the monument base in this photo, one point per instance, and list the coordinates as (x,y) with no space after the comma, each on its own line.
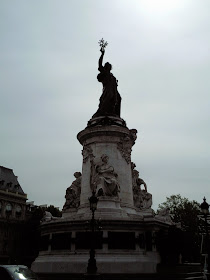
(121,247)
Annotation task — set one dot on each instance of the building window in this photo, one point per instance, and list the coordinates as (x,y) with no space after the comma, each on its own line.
(8,210)
(9,185)
(18,211)
(17,186)
(8,207)
(2,182)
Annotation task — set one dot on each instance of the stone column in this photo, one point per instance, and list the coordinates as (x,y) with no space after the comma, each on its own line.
(115,141)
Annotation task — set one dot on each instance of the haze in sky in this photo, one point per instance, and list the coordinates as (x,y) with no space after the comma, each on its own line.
(160,53)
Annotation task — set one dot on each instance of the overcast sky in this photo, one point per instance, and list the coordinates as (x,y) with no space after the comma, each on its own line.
(160,52)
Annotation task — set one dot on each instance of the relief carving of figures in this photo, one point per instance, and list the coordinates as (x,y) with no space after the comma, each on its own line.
(103,178)
(126,143)
(73,193)
(87,153)
(142,199)
(146,199)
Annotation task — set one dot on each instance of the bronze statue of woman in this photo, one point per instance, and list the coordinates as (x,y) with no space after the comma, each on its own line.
(110,99)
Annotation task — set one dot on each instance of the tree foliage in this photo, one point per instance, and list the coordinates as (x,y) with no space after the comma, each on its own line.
(182,211)
(38,213)
(54,211)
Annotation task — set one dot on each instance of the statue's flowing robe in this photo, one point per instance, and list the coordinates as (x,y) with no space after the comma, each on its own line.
(110,99)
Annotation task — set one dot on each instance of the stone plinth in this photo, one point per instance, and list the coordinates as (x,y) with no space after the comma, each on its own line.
(120,247)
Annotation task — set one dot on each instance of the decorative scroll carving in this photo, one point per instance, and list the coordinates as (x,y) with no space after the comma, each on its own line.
(103,178)
(142,199)
(87,153)
(126,143)
(124,146)
(73,193)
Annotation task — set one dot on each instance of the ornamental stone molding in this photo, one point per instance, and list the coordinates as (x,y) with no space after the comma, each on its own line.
(87,153)
(126,143)
(96,134)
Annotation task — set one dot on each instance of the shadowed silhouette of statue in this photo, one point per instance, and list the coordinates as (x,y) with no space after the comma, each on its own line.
(110,99)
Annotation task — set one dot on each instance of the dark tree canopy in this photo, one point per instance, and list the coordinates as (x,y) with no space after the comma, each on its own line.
(185,212)
(182,211)
(54,211)
(38,213)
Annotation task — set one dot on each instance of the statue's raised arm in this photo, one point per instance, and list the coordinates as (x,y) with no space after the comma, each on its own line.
(100,61)
(110,99)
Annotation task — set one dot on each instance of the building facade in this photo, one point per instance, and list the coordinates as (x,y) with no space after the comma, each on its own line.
(12,216)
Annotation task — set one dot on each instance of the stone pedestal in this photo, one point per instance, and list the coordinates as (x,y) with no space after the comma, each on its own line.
(126,242)
(115,141)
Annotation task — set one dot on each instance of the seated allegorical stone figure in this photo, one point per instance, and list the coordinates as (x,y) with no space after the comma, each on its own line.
(146,199)
(73,193)
(110,99)
(104,179)
(141,198)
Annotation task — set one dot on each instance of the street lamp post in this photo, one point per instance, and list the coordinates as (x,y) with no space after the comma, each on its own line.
(205,210)
(92,268)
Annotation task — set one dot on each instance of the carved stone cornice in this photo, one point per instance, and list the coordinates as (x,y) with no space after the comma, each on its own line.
(98,132)
(106,120)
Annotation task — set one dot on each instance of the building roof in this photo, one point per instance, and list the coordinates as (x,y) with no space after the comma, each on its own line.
(8,181)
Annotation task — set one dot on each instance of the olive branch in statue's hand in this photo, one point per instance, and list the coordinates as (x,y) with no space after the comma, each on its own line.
(103,45)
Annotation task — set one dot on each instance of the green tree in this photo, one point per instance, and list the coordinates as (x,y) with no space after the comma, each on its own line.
(31,233)
(38,213)
(182,211)
(185,212)
(54,211)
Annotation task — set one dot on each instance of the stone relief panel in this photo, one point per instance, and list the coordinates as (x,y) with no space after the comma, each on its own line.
(87,153)
(126,143)
(103,179)
(142,199)
(73,193)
